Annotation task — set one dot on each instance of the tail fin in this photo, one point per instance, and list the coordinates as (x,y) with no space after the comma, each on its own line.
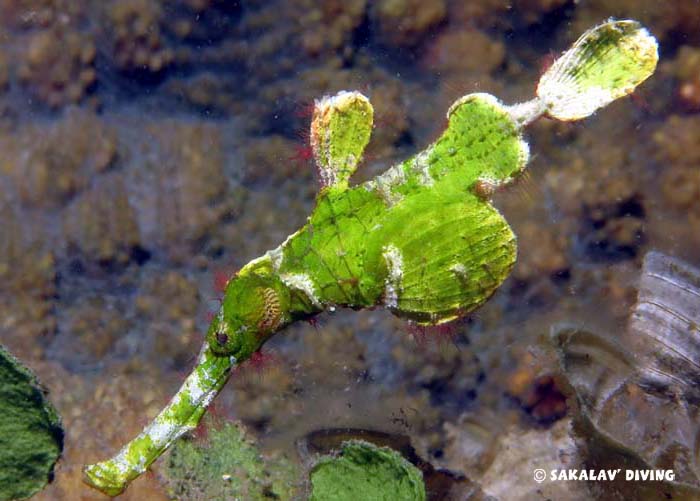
(606,63)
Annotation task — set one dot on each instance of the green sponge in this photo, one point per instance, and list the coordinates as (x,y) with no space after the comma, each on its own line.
(363,471)
(31,436)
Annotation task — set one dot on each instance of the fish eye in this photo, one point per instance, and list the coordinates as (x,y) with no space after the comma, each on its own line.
(223,341)
(221,338)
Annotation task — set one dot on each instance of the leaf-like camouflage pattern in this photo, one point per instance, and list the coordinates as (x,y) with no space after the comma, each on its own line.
(421,239)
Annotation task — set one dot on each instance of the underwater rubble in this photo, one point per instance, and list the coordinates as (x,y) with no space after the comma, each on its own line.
(649,369)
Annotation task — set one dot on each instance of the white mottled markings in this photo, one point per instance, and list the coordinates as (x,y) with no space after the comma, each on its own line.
(524,153)
(460,270)
(422,168)
(276,256)
(302,282)
(607,62)
(160,433)
(198,385)
(121,463)
(180,415)
(385,183)
(392,285)
(461,273)
(324,162)
(565,101)
(489,98)
(525,113)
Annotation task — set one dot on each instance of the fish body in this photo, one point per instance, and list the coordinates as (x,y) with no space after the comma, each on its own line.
(421,239)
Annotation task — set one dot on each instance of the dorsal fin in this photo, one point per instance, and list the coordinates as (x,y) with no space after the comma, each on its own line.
(340,130)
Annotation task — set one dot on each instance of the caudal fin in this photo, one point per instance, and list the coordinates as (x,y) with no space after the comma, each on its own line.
(607,62)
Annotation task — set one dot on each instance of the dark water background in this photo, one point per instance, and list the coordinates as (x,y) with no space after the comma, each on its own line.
(149,148)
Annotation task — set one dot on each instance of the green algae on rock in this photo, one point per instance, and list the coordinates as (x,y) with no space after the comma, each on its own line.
(364,471)
(422,239)
(31,436)
(228,466)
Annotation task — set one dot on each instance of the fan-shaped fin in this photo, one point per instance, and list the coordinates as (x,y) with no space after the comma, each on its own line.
(607,62)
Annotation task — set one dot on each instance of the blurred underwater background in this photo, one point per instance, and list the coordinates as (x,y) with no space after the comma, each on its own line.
(150,148)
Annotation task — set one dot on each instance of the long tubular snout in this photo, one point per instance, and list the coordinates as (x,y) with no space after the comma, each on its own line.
(181,415)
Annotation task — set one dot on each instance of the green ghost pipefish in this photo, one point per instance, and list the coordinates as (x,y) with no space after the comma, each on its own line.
(421,239)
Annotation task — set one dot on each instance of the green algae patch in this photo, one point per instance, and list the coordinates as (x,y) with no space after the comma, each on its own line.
(227,466)
(31,436)
(365,471)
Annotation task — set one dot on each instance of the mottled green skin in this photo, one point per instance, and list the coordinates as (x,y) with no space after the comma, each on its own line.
(340,130)
(434,226)
(240,323)
(606,63)
(456,248)
(432,213)
(422,239)
(182,414)
(605,59)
